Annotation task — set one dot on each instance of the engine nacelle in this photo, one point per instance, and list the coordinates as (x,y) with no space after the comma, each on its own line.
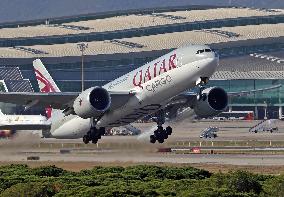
(213,101)
(92,102)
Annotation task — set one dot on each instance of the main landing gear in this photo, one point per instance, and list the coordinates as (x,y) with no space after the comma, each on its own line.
(94,135)
(160,134)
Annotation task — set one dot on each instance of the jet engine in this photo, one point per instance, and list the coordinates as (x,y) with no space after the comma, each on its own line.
(92,102)
(212,101)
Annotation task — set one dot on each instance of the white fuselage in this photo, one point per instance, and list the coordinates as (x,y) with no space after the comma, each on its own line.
(153,85)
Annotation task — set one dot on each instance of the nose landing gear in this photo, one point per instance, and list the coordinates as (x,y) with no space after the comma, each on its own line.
(201,82)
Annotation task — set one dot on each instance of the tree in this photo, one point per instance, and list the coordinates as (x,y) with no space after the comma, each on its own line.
(241,181)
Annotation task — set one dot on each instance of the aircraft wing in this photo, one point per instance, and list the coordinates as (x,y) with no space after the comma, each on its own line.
(190,97)
(187,100)
(57,100)
(244,93)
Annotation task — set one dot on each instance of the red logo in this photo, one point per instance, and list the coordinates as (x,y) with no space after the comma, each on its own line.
(80,102)
(48,86)
(153,71)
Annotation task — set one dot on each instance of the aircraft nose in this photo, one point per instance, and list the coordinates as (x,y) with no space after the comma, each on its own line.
(216,54)
(211,63)
(213,54)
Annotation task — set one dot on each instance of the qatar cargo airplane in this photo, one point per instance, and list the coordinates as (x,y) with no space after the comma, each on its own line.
(142,92)
(147,90)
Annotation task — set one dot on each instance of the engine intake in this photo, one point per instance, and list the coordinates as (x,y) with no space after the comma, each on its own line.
(213,101)
(92,102)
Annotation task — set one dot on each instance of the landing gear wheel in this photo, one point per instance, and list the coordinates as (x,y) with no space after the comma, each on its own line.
(94,135)
(161,140)
(166,136)
(102,131)
(152,139)
(94,141)
(86,139)
(161,134)
(169,130)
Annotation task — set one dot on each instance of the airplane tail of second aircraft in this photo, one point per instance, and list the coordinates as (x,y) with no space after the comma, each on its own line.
(45,82)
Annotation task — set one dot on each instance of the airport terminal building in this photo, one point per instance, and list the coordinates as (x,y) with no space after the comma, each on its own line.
(250,43)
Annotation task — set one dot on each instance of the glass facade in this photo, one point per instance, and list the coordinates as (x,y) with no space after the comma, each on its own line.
(272,97)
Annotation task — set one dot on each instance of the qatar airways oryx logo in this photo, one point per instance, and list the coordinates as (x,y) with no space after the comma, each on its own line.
(154,70)
(48,87)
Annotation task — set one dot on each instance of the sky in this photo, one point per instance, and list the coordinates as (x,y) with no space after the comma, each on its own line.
(22,10)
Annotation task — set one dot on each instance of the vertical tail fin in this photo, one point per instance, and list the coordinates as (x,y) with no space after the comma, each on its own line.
(45,81)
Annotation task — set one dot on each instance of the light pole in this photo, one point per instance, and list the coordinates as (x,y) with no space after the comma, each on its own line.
(265,110)
(82,47)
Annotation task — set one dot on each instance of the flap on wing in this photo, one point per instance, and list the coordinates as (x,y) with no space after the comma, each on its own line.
(185,98)
(243,93)
(57,100)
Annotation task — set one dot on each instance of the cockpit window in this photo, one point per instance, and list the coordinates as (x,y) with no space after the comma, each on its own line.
(203,50)
(200,51)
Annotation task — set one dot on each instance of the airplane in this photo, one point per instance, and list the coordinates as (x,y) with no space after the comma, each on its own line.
(9,124)
(148,90)
(23,122)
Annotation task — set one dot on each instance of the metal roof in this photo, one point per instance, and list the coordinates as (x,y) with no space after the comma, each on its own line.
(228,75)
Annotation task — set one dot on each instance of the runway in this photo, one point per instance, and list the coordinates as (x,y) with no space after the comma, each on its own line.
(263,150)
(118,157)
(140,156)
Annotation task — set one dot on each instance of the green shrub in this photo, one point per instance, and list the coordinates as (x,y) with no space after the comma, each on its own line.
(18,169)
(157,172)
(274,187)
(48,171)
(241,181)
(29,190)
(102,170)
(142,180)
